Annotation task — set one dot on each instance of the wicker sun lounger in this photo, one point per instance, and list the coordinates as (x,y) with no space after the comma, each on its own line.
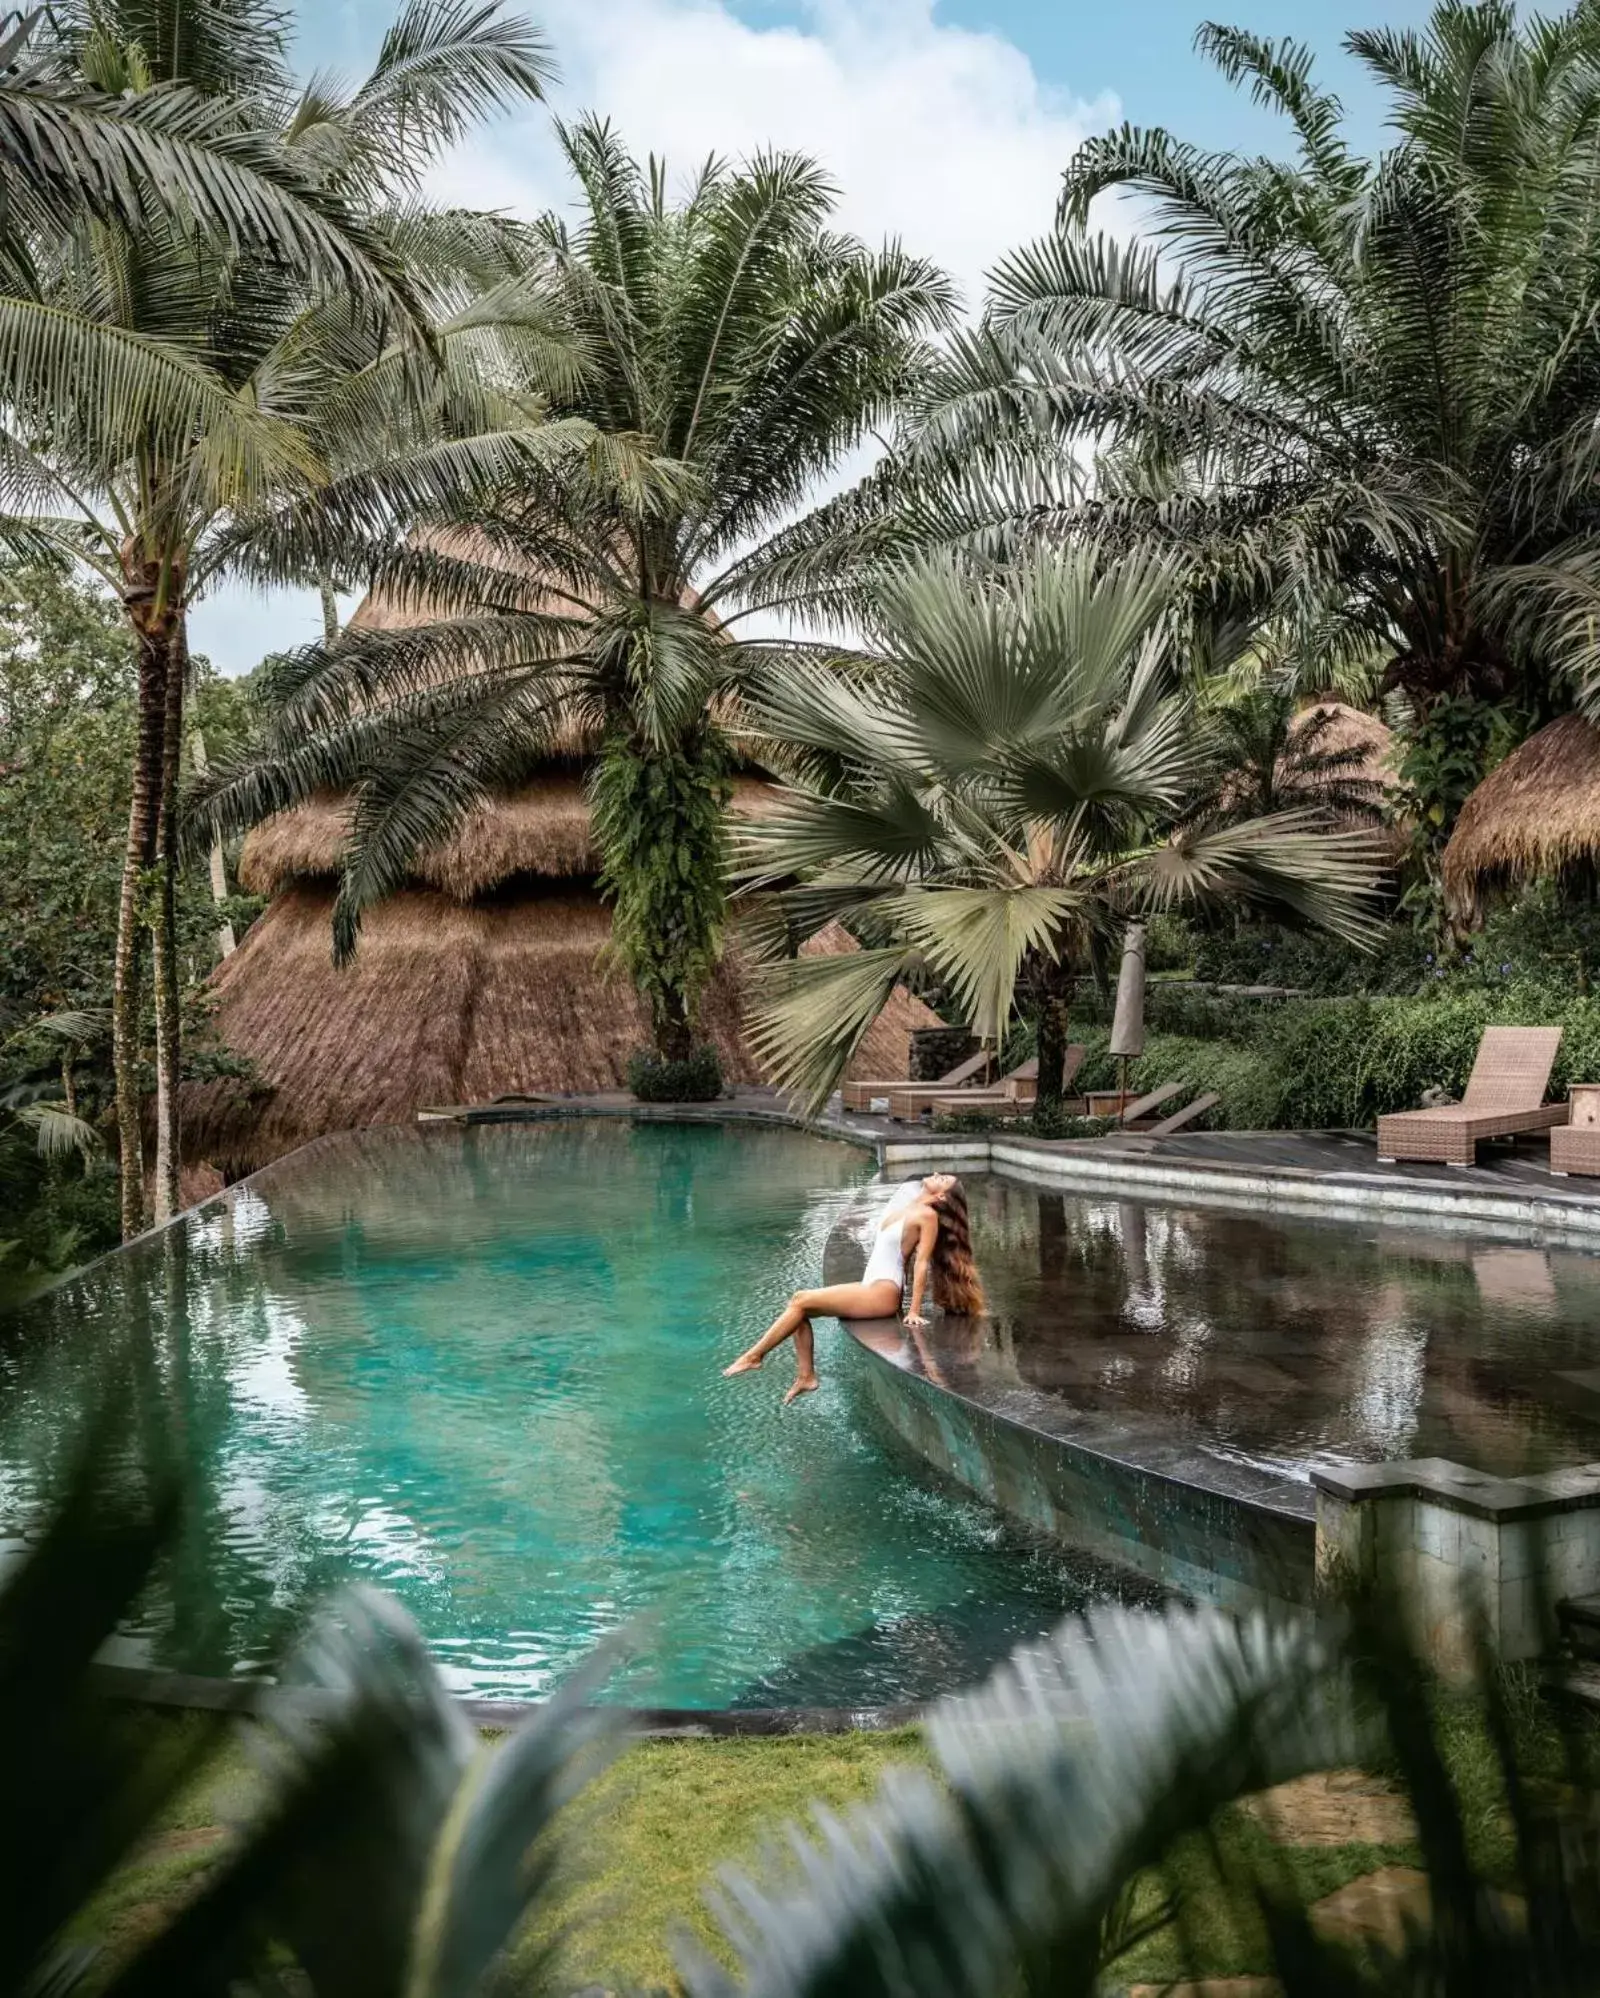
(861,1095)
(1505,1095)
(1019,1087)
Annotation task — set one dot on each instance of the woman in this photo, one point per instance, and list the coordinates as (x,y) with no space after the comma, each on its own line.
(926,1219)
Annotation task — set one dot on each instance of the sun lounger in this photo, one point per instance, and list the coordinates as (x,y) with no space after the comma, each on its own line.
(861,1095)
(1505,1095)
(1186,1115)
(1019,1087)
(1141,1106)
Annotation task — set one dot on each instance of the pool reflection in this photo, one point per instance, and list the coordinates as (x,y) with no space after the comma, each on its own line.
(1284,1341)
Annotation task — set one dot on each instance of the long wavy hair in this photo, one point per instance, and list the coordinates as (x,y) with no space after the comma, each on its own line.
(956,1283)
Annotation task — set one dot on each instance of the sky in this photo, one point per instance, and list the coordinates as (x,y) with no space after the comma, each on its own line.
(945,124)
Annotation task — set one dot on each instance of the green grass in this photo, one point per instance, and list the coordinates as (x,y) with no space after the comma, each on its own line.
(649,1837)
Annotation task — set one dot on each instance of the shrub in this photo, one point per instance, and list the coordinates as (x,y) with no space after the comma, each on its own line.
(1311,961)
(1244,1077)
(697,1079)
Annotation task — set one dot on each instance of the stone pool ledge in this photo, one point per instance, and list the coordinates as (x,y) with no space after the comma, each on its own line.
(1467,1200)
(1218,1530)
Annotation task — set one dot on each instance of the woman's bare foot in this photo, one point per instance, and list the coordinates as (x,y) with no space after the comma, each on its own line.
(745,1364)
(803,1384)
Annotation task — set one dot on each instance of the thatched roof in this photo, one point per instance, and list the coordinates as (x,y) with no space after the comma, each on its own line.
(1535,814)
(1354,728)
(542,831)
(445,1002)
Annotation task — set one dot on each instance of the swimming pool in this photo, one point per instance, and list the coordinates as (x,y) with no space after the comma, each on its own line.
(1283,1341)
(481,1369)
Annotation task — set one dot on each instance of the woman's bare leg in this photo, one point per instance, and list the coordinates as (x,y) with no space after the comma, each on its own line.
(839,1300)
(805,1362)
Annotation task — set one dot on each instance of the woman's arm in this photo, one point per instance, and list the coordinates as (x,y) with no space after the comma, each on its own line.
(927,1235)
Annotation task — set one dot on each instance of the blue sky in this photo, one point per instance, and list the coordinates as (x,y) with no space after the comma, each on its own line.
(947,124)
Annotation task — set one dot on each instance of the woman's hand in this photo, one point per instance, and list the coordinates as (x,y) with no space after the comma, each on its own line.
(916,1321)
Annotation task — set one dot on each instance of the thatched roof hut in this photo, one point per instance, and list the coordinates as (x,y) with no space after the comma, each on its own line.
(1535,814)
(1348,729)
(482,978)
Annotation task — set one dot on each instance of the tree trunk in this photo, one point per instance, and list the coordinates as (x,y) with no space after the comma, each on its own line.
(164,934)
(128,965)
(674,1034)
(1054,995)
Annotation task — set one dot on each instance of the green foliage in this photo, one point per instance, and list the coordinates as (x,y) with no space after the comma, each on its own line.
(66,746)
(1019,776)
(1447,751)
(1306,961)
(697,1078)
(660,822)
(1168,942)
(66,739)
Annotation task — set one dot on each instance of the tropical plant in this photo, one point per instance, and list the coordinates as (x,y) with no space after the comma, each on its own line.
(376,1794)
(1276,755)
(1073,1808)
(190,379)
(1020,773)
(1358,391)
(735,350)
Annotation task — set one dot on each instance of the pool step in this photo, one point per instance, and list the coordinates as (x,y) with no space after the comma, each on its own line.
(1579,1618)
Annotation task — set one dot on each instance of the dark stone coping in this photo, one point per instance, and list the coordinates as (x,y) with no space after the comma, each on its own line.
(195,1693)
(1192,1507)
(1459,1489)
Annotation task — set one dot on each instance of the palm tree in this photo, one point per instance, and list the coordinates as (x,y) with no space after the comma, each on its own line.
(226,375)
(735,349)
(1364,389)
(1275,754)
(1021,771)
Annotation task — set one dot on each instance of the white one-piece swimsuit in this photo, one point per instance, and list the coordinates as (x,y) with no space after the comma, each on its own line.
(887,1263)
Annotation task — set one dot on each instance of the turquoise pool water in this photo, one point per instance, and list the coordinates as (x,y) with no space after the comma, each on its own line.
(481,1369)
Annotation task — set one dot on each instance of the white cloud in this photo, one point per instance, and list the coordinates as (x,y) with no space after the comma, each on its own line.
(937,134)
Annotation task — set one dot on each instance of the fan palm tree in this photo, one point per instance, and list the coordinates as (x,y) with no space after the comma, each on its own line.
(192,380)
(735,350)
(1364,389)
(1021,771)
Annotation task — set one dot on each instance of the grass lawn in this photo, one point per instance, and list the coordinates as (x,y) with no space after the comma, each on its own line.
(653,1831)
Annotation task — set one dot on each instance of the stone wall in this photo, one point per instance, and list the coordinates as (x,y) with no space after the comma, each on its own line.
(1463,1553)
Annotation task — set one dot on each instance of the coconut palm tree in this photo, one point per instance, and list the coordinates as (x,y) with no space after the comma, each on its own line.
(1023,769)
(1363,388)
(225,375)
(735,350)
